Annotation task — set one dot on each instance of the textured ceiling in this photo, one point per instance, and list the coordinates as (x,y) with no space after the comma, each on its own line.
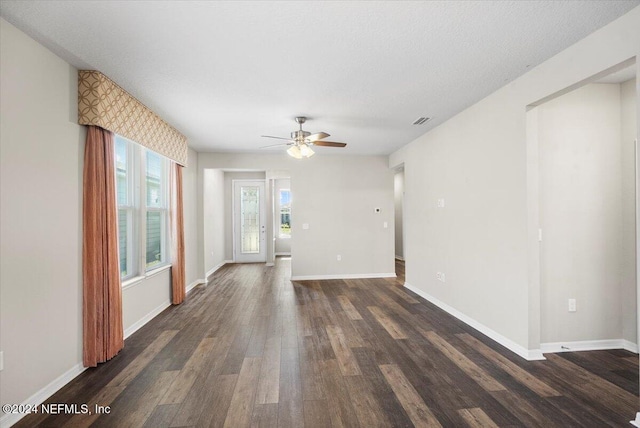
(224,73)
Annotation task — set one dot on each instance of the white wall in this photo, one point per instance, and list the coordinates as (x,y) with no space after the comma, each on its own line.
(190,201)
(629,126)
(580,148)
(484,238)
(336,195)
(283,245)
(214,219)
(398,196)
(41,155)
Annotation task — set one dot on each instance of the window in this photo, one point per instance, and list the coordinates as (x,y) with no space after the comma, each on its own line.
(143,209)
(285,213)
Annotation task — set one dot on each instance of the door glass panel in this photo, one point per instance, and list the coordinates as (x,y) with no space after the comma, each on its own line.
(250,219)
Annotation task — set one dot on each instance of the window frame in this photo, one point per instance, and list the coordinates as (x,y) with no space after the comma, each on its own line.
(137,208)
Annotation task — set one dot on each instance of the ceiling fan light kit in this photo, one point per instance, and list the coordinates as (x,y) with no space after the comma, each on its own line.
(301,141)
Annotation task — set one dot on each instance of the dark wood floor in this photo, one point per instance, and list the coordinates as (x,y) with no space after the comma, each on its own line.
(255,349)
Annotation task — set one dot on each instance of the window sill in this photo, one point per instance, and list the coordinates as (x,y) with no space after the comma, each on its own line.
(132,282)
(284,237)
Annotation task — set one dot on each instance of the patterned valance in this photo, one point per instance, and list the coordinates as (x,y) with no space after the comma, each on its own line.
(103,103)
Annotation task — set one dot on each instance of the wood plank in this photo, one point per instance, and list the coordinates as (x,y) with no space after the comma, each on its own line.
(367,408)
(269,381)
(141,361)
(387,323)
(218,399)
(484,379)
(265,416)
(348,308)
(338,400)
(519,374)
(418,411)
(476,418)
(104,398)
(316,414)
(241,408)
(290,407)
(150,399)
(346,360)
(179,389)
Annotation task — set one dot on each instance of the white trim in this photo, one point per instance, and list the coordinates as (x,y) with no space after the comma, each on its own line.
(229,261)
(588,345)
(137,280)
(283,253)
(527,354)
(636,421)
(269,264)
(214,269)
(399,258)
(343,276)
(39,397)
(193,285)
(145,319)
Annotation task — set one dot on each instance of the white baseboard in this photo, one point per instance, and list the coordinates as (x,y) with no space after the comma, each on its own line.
(145,319)
(400,258)
(269,264)
(636,421)
(229,261)
(588,345)
(193,285)
(527,354)
(343,276)
(215,268)
(282,254)
(42,395)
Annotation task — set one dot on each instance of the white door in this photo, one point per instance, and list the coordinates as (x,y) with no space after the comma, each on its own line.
(249,221)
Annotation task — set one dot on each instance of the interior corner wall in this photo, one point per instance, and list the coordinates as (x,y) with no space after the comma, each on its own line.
(41,158)
(629,126)
(398,196)
(581,215)
(478,162)
(190,201)
(214,213)
(227,189)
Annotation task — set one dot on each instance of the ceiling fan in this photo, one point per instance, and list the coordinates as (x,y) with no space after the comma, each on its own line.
(301,141)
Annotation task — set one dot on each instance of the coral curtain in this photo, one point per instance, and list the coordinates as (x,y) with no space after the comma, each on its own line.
(177,236)
(103,335)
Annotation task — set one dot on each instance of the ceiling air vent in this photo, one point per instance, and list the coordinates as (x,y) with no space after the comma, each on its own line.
(421,120)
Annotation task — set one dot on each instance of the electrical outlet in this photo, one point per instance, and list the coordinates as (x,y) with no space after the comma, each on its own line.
(385,225)
(572,305)
(441,203)
(339,257)
(441,277)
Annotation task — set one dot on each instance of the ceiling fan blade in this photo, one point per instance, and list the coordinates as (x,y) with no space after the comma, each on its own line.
(328,144)
(277,138)
(318,136)
(277,145)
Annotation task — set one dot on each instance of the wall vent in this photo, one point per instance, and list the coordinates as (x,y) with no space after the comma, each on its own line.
(421,120)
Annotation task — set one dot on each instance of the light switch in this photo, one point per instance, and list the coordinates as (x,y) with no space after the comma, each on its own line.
(305,226)
(385,224)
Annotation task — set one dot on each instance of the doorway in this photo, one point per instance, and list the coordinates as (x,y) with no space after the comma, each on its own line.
(249,221)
